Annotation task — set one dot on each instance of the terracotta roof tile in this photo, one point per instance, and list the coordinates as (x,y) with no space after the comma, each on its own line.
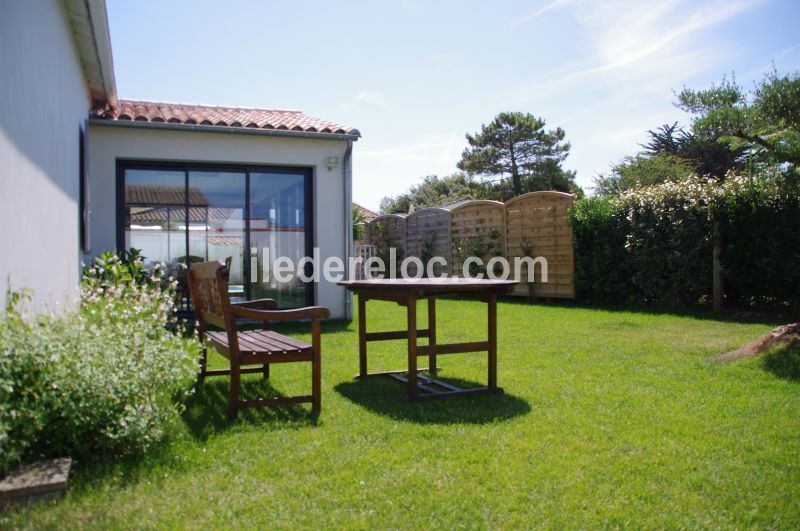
(180,113)
(367,213)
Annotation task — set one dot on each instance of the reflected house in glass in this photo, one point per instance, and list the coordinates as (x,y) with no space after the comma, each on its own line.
(244,218)
(156,224)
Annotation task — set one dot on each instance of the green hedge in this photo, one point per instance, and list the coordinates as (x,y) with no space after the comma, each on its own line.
(654,244)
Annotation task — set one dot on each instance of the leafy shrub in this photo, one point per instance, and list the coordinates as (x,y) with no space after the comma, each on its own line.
(760,222)
(105,377)
(602,268)
(668,243)
(654,244)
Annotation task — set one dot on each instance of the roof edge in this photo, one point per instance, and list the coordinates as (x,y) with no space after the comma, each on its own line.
(89,21)
(132,101)
(223,129)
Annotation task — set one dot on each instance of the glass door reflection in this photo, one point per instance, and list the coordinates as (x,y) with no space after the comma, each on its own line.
(180,215)
(155,210)
(278,229)
(217,223)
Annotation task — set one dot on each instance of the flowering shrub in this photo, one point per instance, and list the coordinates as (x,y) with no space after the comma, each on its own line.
(106,377)
(654,244)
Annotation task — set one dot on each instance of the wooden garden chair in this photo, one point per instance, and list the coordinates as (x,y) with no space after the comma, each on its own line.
(208,285)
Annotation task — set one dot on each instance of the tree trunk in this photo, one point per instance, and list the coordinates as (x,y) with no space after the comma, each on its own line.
(515,180)
(517,183)
(716,268)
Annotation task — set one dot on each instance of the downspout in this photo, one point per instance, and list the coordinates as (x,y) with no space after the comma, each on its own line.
(347,165)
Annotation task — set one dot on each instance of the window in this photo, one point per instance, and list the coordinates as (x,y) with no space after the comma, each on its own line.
(245,217)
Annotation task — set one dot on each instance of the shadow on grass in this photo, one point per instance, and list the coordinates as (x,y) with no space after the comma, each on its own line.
(783,361)
(206,410)
(387,397)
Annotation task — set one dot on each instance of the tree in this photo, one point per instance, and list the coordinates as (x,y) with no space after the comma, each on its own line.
(549,176)
(642,170)
(705,155)
(671,154)
(516,145)
(764,122)
(434,191)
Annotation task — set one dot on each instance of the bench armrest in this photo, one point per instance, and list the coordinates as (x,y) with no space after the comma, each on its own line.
(309,312)
(258,304)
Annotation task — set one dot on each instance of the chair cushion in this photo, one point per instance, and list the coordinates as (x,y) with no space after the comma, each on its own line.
(262,341)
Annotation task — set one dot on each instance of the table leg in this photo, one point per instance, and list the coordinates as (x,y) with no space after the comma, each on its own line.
(362,336)
(432,332)
(412,347)
(492,342)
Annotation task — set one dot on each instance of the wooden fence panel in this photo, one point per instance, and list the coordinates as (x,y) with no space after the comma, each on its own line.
(477,228)
(537,224)
(387,231)
(428,235)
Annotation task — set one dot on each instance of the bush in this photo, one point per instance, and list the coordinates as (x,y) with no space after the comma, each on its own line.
(600,234)
(654,244)
(761,255)
(105,377)
(668,243)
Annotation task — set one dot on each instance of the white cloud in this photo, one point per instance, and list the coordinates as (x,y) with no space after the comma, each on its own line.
(435,150)
(630,33)
(648,40)
(365,98)
(541,11)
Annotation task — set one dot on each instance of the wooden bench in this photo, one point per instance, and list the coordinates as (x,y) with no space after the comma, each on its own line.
(208,285)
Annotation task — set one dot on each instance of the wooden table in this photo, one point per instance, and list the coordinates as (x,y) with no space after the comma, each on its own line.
(406,292)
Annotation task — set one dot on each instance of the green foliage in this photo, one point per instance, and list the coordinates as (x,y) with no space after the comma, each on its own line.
(704,155)
(103,378)
(516,145)
(760,220)
(654,245)
(671,155)
(602,268)
(766,121)
(549,176)
(668,243)
(434,191)
(112,270)
(642,170)
(358,223)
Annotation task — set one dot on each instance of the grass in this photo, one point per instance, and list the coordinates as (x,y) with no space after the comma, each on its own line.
(610,418)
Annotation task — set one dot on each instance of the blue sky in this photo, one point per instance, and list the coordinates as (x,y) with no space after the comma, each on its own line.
(415,76)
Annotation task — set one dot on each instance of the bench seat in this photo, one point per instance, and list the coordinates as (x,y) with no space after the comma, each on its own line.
(261,342)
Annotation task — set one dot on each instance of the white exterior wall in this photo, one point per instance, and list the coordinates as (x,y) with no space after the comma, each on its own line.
(43,101)
(109,143)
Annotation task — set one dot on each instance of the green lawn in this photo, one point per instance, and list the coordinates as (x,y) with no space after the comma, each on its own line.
(609,418)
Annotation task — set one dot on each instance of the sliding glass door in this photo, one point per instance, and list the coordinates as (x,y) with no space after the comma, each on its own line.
(246,217)
(277,228)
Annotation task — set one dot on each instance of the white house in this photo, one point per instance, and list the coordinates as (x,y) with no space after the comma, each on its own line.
(83,171)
